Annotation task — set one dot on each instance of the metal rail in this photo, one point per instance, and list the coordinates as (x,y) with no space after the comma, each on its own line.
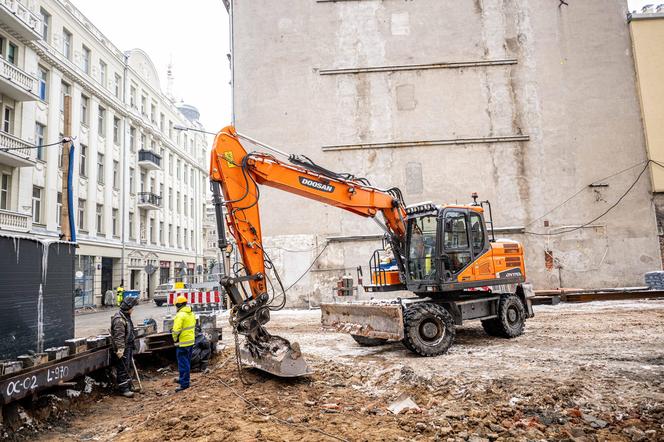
(18,385)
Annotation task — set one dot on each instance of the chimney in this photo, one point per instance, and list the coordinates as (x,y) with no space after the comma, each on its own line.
(648,9)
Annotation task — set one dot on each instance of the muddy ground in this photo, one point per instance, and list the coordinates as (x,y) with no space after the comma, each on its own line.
(580,372)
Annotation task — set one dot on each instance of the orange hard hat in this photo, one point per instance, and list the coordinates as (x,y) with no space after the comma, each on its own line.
(181,300)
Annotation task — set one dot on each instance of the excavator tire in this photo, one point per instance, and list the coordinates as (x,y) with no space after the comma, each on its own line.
(369,342)
(428,329)
(511,320)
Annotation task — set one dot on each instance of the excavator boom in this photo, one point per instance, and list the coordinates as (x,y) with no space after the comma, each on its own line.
(236,177)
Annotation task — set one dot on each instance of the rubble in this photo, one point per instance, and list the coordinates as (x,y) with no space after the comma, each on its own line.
(577,374)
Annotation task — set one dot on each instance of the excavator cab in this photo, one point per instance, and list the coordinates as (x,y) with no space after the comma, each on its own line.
(442,243)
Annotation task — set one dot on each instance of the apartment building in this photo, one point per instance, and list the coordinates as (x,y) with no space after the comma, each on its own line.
(140,165)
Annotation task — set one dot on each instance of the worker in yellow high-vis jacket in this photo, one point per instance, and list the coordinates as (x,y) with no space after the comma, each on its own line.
(184,334)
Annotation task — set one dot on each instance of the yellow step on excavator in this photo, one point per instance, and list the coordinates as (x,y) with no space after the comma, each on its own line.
(446,255)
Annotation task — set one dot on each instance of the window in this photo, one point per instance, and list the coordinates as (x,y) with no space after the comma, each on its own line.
(170,130)
(179,238)
(43,81)
(177,169)
(455,241)
(132,189)
(65,89)
(186,238)
(116,222)
(177,201)
(162,240)
(5,191)
(100,168)
(46,23)
(100,218)
(191,239)
(85,106)
(102,73)
(116,130)
(143,178)
(132,96)
(118,86)
(153,231)
(8,120)
(153,112)
(161,122)
(186,210)
(61,158)
(131,225)
(66,43)
(81,214)
(82,167)
(101,122)
(421,263)
(143,141)
(116,175)
(191,177)
(191,206)
(12,53)
(170,165)
(132,139)
(144,105)
(477,232)
(85,62)
(170,198)
(170,235)
(58,208)
(40,130)
(37,204)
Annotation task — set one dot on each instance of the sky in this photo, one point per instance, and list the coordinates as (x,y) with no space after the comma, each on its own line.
(193,34)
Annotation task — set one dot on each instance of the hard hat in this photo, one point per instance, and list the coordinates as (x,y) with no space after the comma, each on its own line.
(128,303)
(181,300)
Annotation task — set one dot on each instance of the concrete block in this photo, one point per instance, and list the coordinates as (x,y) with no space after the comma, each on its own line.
(56,353)
(76,345)
(168,324)
(7,367)
(33,359)
(207,322)
(97,341)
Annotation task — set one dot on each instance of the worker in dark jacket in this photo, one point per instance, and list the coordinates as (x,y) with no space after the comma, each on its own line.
(122,335)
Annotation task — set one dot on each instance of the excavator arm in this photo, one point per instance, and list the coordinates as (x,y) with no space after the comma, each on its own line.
(236,177)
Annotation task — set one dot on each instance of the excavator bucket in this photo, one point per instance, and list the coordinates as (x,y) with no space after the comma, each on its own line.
(276,356)
(370,319)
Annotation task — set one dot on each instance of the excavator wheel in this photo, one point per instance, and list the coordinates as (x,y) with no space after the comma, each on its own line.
(369,342)
(511,319)
(428,329)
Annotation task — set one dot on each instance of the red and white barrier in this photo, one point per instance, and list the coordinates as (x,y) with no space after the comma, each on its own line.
(213,297)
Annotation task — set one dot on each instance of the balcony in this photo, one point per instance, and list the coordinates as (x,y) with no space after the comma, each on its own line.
(14,221)
(16,83)
(22,153)
(149,160)
(20,19)
(148,201)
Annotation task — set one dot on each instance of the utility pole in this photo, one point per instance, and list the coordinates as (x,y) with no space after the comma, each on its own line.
(66,142)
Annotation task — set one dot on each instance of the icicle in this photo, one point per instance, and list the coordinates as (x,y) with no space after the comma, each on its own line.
(40,320)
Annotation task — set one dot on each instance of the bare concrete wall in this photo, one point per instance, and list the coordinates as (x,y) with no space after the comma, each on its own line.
(559,79)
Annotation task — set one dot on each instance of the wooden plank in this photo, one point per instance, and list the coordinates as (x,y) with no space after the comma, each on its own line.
(613,296)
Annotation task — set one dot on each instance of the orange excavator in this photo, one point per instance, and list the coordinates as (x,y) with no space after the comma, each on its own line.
(444,254)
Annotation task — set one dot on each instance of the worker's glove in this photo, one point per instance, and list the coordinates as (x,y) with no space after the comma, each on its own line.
(119,353)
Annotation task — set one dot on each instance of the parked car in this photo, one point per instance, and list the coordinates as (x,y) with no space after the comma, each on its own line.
(161,293)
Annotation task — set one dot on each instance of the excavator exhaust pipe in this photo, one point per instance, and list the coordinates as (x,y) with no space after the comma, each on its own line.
(280,358)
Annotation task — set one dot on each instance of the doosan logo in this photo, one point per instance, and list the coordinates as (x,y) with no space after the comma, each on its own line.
(316,185)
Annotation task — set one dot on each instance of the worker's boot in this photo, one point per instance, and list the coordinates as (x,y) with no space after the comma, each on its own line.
(127,393)
(180,388)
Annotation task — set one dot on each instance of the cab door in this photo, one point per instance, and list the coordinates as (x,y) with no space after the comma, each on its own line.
(456,250)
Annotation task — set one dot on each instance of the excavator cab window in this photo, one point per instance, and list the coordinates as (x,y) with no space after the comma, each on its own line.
(422,247)
(456,246)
